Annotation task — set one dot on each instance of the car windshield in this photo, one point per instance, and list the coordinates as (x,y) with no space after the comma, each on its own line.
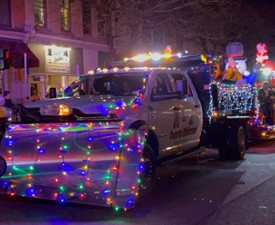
(124,84)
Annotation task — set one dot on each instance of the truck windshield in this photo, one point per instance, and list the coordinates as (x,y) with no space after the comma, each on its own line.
(124,84)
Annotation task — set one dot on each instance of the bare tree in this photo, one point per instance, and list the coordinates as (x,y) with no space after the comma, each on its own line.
(133,19)
(213,24)
(108,14)
(147,18)
(208,25)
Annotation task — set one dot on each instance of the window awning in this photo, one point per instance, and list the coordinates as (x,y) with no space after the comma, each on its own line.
(17,50)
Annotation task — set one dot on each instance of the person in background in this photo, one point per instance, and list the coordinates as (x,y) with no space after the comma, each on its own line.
(34,95)
(8,101)
(265,97)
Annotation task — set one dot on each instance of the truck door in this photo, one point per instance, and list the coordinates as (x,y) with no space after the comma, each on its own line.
(187,134)
(164,115)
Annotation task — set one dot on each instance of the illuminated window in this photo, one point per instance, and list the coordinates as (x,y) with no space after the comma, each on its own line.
(5,14)
(40,13)
(87,17)
(65,15)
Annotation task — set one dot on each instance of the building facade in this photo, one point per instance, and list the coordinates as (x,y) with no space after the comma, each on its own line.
(51,42)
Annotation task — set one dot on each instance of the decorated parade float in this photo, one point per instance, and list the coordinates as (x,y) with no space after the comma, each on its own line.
(102,148)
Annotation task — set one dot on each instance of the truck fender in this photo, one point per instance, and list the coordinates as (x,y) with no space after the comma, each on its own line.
(137,124)
(151,137)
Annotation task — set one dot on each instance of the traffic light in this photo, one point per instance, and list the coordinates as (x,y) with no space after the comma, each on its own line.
(4,59)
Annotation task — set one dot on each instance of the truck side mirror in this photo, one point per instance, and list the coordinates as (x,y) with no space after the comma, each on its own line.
(181,86)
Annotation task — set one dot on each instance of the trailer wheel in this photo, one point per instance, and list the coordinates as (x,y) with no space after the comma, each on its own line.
(238,143)
(148,173)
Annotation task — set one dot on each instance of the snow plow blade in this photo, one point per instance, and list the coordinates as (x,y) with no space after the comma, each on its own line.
(87,163)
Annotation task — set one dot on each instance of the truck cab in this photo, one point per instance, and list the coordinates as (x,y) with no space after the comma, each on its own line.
(161,101)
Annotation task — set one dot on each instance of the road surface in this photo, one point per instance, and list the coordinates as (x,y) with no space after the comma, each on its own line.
(199,190)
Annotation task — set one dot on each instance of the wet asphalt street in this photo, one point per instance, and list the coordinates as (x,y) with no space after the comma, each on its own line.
(199,190)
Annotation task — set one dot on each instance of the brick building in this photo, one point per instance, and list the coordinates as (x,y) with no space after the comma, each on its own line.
(59,39)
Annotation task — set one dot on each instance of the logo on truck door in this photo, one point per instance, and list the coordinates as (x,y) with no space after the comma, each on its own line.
(190,129)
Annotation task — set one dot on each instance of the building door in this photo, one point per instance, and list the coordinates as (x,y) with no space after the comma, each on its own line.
(37,87)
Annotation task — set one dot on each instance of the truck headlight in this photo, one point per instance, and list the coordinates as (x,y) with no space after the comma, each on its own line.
(55,110)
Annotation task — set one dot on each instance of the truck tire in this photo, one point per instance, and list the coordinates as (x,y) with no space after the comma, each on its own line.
(147,175)
(238,143)
(232,144)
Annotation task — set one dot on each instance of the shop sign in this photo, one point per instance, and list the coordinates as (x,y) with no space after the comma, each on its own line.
(57,59)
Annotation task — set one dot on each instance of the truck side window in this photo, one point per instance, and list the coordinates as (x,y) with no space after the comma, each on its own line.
(163,85)
(179,77)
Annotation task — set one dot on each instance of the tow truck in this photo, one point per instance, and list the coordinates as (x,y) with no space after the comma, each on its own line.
(100,143)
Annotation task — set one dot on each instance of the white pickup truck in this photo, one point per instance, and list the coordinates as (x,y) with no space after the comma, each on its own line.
(177,110)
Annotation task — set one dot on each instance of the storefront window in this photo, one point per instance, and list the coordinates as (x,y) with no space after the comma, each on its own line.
(65,15)
(5,14)
(58,82)
(40,13)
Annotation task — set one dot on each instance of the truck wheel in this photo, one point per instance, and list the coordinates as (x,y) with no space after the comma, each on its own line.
(239,143)
(148,173)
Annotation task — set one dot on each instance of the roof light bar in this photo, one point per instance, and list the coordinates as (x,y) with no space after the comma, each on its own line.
(153,56)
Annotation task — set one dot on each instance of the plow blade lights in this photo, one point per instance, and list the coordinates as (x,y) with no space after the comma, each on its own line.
(56,110)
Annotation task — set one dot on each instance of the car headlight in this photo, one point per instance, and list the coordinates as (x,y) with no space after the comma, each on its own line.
(55,110)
